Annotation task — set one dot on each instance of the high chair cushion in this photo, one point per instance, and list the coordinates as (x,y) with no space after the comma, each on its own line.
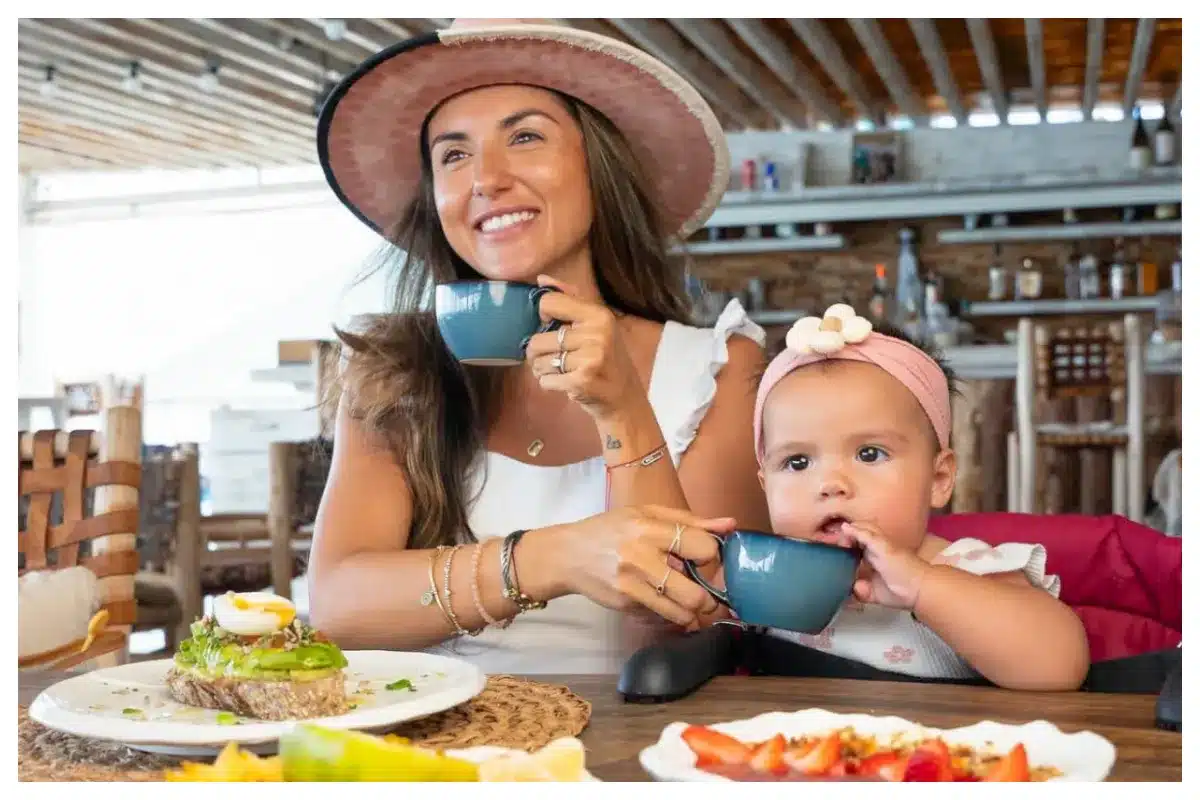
(1124,580)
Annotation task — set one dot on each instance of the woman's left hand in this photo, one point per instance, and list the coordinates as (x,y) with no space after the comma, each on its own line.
(586,357)
(890,576)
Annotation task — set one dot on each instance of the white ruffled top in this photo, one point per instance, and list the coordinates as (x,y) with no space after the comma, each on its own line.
(892,639)
(573,634)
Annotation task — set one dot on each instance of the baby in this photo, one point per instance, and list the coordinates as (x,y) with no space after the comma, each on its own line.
(852,429)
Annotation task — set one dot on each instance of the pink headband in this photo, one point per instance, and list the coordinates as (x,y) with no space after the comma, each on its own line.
(842,334)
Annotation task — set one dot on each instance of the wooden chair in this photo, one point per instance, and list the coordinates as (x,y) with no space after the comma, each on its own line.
(101,538)
(1080,361)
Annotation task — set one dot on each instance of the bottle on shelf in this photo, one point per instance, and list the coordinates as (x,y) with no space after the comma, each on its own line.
(1118,272)
(1071,274)
(879,307)
(1147,272)
(1089,277)
(997,276)
(1029,280)
(1164,141)
(931,294)
(1140,156)
(1177,271)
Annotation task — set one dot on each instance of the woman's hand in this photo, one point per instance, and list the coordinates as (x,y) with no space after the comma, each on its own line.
(624,559)
(595,368)
(889,576)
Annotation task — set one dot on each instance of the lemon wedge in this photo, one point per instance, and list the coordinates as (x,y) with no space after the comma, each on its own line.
(560,761)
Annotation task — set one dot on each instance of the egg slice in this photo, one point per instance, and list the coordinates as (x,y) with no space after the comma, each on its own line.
(253,613)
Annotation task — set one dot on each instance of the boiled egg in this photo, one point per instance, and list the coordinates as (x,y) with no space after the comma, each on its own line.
(253,613)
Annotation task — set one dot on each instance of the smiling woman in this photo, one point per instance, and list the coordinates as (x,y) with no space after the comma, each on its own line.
(542,509)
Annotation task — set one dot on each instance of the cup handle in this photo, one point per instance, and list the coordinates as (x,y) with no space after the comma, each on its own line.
(535,295)
(694,574)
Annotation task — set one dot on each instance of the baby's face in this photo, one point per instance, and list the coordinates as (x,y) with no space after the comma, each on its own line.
(846,442)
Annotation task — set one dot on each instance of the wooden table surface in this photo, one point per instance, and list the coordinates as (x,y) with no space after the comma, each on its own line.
(618,730)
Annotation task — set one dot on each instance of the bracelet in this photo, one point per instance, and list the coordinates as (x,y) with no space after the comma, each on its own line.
(487,618)
(650,458)
(431,594)
(512,589)
(458,629)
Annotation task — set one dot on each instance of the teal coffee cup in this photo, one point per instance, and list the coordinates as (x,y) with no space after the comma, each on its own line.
(489,323)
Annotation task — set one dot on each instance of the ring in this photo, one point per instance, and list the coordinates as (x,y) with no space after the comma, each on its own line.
(661,588)
(562,338)
(674,548)
(559,362)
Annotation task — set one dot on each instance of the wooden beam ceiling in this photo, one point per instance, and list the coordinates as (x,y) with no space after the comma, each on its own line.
(272,75)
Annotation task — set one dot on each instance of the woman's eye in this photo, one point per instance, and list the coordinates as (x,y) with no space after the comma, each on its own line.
(450,156)
(526,136)
(871,455)
(796,463)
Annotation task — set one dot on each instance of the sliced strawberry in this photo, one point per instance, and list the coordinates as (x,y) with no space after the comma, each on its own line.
(888,765)
(818,759)
(767,757)
(1014,767)
(714,747)
(929,763)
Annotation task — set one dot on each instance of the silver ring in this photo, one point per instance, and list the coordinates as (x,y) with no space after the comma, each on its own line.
(674,548)
(562,338)
(661,588)
(559,362)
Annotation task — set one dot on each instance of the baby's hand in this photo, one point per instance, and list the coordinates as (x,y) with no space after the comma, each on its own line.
(893,576)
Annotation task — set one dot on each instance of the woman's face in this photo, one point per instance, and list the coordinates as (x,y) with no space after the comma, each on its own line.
(510,181)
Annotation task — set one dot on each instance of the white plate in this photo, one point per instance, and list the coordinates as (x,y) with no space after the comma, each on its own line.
(1081,756)
(94,704)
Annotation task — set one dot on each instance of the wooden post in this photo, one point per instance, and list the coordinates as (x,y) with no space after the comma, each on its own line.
(281,469)
(185,566)
(121,440)
(1014,473)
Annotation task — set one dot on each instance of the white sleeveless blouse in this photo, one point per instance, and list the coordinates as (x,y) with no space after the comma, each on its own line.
(573,634)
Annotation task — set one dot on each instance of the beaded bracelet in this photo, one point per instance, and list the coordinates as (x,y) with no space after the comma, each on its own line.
(487,618)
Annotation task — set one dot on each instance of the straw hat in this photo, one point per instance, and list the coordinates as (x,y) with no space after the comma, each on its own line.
(368,135)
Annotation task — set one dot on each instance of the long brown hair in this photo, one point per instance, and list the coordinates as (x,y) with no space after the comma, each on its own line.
(401,383)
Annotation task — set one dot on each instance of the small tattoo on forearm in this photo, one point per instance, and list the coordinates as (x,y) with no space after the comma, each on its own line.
(611,443)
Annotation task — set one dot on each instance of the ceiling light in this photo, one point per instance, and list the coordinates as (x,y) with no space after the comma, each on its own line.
(48,87)
(335,29)
(208,80)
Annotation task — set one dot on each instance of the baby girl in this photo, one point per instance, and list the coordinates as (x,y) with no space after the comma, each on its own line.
(852,429)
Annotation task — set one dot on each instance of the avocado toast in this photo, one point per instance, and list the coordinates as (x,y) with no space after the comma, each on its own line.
(293,672)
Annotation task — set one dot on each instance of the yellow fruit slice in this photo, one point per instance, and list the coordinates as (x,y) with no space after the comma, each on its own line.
(311,753)
(562,760)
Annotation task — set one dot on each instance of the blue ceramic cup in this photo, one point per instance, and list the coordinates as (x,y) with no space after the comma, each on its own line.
(489,323)
(775,582)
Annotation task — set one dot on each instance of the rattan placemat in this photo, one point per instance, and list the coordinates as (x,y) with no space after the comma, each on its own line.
(510,712)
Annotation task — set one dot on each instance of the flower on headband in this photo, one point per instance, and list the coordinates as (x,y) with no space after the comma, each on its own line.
(840,326)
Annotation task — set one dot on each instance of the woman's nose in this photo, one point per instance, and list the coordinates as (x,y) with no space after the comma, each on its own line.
(491,173)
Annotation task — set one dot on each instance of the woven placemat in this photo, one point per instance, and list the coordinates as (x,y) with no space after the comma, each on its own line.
(510,712)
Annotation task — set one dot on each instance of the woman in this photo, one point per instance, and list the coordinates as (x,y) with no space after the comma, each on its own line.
(533,508)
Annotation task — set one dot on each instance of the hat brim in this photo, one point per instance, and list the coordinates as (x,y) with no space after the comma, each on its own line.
(368,134)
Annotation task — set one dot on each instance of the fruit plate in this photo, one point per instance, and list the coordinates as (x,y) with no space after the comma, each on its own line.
(130,704)
(1083,756)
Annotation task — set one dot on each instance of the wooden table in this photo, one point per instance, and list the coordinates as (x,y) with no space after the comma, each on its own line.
(618,730)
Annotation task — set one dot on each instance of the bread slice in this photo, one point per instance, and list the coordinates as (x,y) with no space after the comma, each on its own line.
(262,699)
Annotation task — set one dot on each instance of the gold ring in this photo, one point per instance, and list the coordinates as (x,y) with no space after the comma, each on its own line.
(661,588)
(674,548)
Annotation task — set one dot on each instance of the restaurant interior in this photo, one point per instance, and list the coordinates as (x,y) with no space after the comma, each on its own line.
(1010,190)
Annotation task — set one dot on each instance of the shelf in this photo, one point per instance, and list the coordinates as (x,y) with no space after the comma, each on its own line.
(1034,308)
(1048,233)
(302,376)
(999,361)
(789,244)
(941,199)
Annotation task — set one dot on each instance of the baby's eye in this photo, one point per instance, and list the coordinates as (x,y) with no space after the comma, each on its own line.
(871,455)
(796,463)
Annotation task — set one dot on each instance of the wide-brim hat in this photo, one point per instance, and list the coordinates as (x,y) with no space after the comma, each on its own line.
(369,131)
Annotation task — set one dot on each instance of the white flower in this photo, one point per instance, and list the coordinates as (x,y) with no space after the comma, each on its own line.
(840,326)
